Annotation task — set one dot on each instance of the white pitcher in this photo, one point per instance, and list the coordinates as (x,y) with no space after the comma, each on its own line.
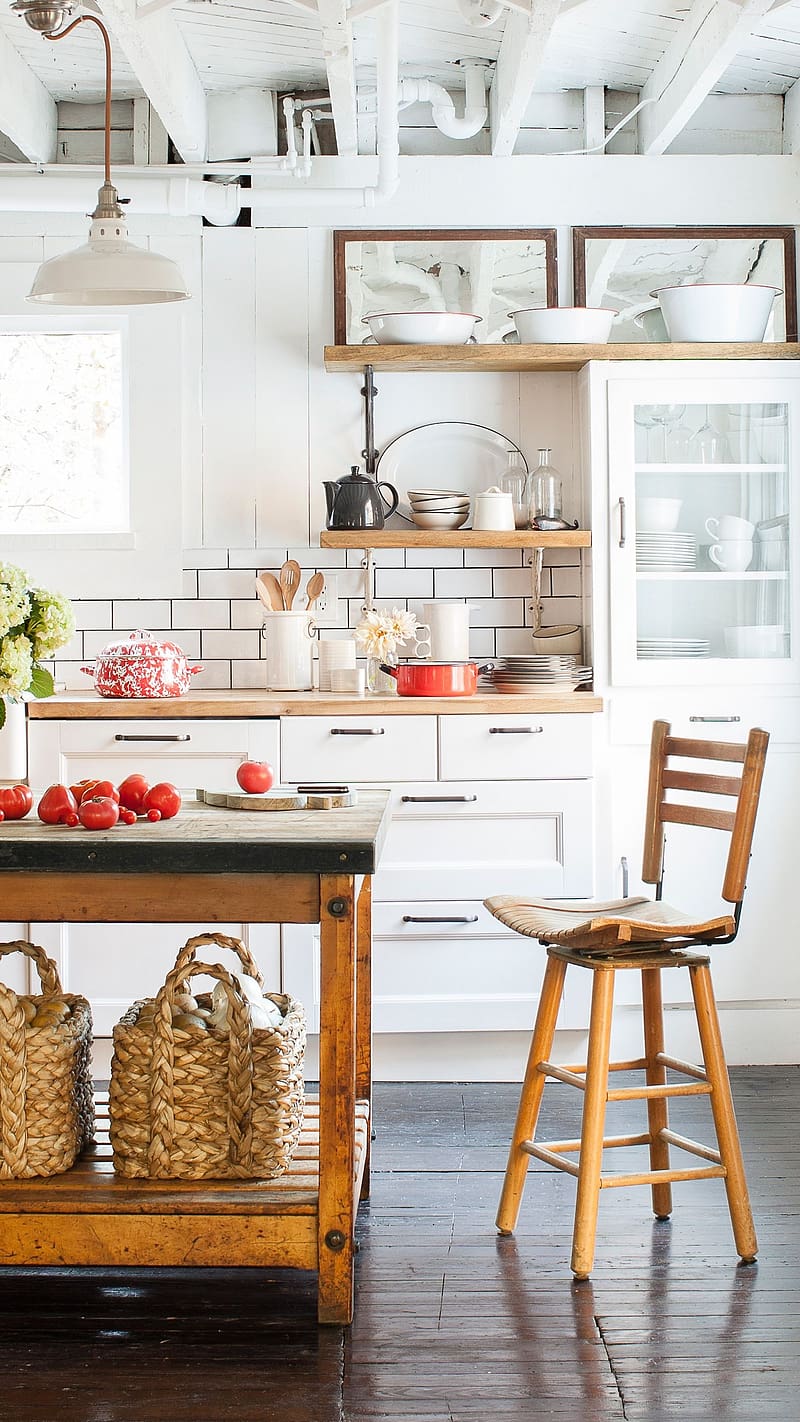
(290,642)
(449,630)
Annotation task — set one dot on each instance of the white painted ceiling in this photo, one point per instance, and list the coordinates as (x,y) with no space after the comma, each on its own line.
(268,44)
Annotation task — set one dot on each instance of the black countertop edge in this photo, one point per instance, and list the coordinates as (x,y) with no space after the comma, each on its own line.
(219,857)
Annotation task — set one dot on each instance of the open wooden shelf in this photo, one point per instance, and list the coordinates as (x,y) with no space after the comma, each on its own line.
(551,357)
(453,538)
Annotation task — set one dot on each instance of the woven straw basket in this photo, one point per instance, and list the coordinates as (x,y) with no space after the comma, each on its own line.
(196,1104)
(46,1102)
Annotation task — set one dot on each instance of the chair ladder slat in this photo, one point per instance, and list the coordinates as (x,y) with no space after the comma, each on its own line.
(697,815)
(701,784)
(704,750)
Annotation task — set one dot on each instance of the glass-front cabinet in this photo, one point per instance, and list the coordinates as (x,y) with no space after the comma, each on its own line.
(703,488)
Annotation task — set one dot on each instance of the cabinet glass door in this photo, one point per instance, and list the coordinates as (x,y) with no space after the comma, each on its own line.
(702,576)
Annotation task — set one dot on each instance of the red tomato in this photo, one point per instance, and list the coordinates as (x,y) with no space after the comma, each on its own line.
(81,786)
(99,812)
(163,797)
(100,790)
(71,820)
(15,801)
(56,803)
(132,792)
(127,817)
(255,776)
(154,816)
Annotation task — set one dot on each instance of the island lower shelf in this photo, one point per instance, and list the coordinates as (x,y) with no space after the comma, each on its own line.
(91,1216)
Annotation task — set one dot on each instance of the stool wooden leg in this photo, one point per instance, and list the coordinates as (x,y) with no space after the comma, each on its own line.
(724,1118)
(656,1075)
(593,1125)
(531,1097)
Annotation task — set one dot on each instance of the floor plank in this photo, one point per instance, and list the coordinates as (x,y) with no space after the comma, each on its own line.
(453,1323)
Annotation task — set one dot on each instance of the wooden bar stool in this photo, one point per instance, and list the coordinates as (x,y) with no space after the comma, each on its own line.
(646,935)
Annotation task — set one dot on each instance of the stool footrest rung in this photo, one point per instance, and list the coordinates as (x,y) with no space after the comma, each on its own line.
(685,1068)
(576,1077)
(693,1147)
(551,1152)
(564,1147)
(663,1177)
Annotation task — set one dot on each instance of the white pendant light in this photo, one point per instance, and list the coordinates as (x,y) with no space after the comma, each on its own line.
(108,270)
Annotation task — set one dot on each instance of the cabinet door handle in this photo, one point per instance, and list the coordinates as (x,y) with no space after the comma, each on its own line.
(515,730)
(624,865)
(352,731)
(717,720)
(438,799)
(622,522)
(464,918)
(152,738)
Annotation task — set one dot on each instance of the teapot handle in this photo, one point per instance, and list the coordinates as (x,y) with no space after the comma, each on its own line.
(394,494)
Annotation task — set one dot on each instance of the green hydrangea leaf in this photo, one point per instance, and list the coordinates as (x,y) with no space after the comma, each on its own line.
(42,683)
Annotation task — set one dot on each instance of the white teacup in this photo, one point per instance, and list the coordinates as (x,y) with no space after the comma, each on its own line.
(732,555)
(658,515)
(728,527)
(766,641)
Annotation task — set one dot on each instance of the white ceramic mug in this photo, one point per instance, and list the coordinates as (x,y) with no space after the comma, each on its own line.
(335,653)
(727,527)
(351,680)
(493,511)
(449,630)
(289,640)
(658,515)
(732,555)
(760,641)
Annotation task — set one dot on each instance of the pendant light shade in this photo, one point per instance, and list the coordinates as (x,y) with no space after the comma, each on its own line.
(108,270)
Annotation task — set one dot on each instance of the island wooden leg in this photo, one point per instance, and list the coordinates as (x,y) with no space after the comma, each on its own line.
(364,1009)
(337,1097)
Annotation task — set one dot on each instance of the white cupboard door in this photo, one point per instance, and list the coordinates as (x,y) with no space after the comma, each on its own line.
(702,506)
(516,747)
(344,749)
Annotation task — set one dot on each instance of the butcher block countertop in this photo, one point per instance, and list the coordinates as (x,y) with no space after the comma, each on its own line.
(87,705)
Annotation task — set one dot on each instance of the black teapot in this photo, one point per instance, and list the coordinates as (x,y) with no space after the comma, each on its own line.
(355,501)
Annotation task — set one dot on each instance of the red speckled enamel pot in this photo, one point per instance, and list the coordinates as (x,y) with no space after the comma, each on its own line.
(140,666)
(420,678)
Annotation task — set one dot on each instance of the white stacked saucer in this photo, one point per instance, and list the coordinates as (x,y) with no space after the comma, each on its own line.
(665,552)
(652,649)
(533,674)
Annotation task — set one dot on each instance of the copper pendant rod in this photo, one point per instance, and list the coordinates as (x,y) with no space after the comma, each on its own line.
(107,45)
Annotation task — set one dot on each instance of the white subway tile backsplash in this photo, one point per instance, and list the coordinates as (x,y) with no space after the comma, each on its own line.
(144,613)
(205,557)
(497,612)
(563,557)
(189,588)
(492,557)
(72,651)
(384,558)
(464,582)
(394,583)
(511,582)
(566,582)
(89,613)
(238,644)
(561,609)
(201,613)
(434,557)
(244,613)
(320,557)
(217,583)
(255,558)
(94,642)
(216,675)
(248,675)
(68,675)
(481,642)
(511,641)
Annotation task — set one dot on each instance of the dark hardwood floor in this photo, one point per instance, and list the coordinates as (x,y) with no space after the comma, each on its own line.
(453,1322)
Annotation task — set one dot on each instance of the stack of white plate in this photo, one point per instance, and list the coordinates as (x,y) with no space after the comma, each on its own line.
(438,508)
(534,674)
(665,552)
(656,649)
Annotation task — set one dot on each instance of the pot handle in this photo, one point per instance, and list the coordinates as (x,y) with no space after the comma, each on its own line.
(390,671)
(198,668)
(487,667)
(88,670)
(395,496)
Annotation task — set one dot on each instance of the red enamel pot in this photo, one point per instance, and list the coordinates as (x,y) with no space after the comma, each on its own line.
(420,678)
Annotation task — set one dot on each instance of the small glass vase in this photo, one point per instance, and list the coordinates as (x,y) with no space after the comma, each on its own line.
(379,682)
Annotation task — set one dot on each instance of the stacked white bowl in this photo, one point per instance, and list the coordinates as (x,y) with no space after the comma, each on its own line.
(438,508)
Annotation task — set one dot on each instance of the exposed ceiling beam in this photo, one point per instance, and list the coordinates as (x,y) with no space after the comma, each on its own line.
(518,63)
(709,39)
(158,56)
(27,112)
(337,46)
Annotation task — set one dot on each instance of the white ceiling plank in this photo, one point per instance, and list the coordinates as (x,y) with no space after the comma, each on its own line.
(158,56)
(27,113)
(708,40)
(518,64)
(337,47)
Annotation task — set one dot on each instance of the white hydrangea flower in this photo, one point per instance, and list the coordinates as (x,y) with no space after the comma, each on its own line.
(34,623)
(52,622)
(16,665)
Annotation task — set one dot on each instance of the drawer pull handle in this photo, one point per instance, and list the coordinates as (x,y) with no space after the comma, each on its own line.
(718,720)
(352,731)
(622,525)
(438,799)
(515,730)
(152,738)
(464,918)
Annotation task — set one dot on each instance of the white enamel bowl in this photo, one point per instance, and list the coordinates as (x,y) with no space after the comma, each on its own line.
(716,312)
(445,504)
(564,325)
(439,520)
(422,328)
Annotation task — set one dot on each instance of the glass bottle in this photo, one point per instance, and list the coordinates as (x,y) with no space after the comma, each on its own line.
(546,489)
(516,482)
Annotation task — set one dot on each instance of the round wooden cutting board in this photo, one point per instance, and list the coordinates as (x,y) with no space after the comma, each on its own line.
(275,799)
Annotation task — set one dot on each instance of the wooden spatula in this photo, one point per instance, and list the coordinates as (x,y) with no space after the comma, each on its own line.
(290,582)
(269,591)
(314,587)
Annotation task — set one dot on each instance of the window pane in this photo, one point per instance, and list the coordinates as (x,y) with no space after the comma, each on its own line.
(62,448)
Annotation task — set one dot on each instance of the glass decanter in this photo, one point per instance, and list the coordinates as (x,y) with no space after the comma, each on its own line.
(545,491)
(516,482)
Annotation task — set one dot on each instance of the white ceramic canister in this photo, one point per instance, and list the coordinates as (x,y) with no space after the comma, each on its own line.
(493,511)
(449,630)
(289,638)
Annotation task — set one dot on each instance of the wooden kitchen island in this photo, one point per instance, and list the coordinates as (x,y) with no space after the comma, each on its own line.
(216,865)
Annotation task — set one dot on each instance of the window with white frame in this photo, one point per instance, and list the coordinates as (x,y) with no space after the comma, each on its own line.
(63,432)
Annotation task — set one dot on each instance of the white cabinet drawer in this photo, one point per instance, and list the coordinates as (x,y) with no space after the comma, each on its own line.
(724,714)
(187,753)
(358,748)
(473,838)
(515,747)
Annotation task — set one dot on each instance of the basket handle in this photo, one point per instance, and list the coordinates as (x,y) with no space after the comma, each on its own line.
(45,967)
(240,1068)
(188,952)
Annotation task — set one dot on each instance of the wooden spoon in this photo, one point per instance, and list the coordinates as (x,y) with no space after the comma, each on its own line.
(269,591)
(314,587)
(290,582)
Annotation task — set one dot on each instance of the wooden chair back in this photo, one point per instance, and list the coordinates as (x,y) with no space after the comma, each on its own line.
(744,789)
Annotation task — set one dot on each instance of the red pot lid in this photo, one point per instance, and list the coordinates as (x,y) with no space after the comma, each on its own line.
(138,645)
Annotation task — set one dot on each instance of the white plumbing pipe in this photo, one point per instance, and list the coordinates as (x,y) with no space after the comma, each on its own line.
(443,110)
(52,188)
(480,13)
